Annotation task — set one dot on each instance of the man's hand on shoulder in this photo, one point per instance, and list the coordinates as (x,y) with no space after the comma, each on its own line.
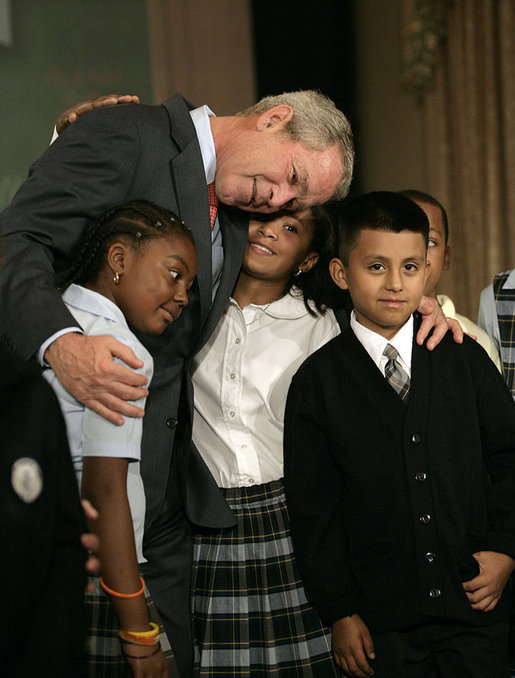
(71,114)
(85,367)
(485,590)
(432,316)
(353,646)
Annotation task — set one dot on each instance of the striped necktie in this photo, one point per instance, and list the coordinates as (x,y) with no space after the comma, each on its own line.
(395,374)
(213,202)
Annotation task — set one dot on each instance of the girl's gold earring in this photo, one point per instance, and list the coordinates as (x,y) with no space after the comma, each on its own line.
(116,278)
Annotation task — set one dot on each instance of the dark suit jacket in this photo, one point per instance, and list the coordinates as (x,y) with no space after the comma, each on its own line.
(42,572)
(104,159)
(388,501)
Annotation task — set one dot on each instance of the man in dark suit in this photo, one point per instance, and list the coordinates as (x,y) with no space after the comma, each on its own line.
(286,152)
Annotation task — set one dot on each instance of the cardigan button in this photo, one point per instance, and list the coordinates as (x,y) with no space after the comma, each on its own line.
(430,557)
(435,593)
(421,476)
(416,438)
(425,519)
(172,422)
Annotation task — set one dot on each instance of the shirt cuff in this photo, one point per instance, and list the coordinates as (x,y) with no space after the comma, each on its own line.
(50,340)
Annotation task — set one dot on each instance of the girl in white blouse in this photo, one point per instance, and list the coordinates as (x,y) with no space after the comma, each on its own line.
(251,615)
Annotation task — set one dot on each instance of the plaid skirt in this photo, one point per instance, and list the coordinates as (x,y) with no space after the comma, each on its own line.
(104,657)
(250,613)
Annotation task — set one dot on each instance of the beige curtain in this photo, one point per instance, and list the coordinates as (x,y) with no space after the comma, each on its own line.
(203,49)
(469,143)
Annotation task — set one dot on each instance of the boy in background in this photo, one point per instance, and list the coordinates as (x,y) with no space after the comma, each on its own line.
(400,470)
(439,256)
(497,317)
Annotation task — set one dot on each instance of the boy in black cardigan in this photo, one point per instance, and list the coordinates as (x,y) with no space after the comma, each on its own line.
(401,493)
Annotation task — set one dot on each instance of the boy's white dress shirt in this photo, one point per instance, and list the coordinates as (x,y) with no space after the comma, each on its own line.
(375,343)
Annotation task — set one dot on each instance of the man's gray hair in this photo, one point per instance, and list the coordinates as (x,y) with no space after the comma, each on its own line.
(317,124)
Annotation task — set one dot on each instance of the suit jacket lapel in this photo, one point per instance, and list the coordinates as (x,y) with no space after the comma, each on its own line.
(234,227)
(188,176)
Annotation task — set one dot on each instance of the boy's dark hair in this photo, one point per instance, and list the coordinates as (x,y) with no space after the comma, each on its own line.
(135,222)
(379,211)
(420,196)
(316,285)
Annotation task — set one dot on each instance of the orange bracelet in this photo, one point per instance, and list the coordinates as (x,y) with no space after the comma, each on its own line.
(122,595)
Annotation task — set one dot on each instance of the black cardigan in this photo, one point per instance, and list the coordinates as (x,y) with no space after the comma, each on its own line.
(388,501)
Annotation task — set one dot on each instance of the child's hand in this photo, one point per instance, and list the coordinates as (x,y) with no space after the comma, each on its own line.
(74,112)
(485,590)
(144,663)
(352,645)
(90,542)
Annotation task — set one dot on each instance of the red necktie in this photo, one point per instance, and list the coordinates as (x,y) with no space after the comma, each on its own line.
(213,203)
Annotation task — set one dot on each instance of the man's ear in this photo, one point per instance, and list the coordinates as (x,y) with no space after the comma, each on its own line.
(116,257)
(275,118)
(308,263)
(337,271)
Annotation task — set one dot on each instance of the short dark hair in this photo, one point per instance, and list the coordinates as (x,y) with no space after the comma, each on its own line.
(379,211)
(420,196)
(135,222)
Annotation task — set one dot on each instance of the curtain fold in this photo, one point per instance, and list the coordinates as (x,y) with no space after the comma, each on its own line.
(204,50)
(469,139)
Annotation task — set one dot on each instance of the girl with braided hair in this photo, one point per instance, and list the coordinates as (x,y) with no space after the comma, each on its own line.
(135,270)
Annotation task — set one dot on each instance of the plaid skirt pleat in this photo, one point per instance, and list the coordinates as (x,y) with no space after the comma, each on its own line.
(250,612)
(104,657)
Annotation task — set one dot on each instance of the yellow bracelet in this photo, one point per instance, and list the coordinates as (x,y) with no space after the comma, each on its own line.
(141,637)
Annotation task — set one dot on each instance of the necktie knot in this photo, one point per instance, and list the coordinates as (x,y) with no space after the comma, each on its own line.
(395,373)
(213,202)
(391,352)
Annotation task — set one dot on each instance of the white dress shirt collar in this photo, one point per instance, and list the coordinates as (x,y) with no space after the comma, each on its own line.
(510,280)
(375,343)
(93,302)
(286,307)
(200,118)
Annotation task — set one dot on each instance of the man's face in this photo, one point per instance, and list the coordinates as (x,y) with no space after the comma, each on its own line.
(260,170)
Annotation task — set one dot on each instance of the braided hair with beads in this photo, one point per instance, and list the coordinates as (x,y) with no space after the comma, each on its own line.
(135,222)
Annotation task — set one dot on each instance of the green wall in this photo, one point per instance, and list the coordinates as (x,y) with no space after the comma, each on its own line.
(64,51)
